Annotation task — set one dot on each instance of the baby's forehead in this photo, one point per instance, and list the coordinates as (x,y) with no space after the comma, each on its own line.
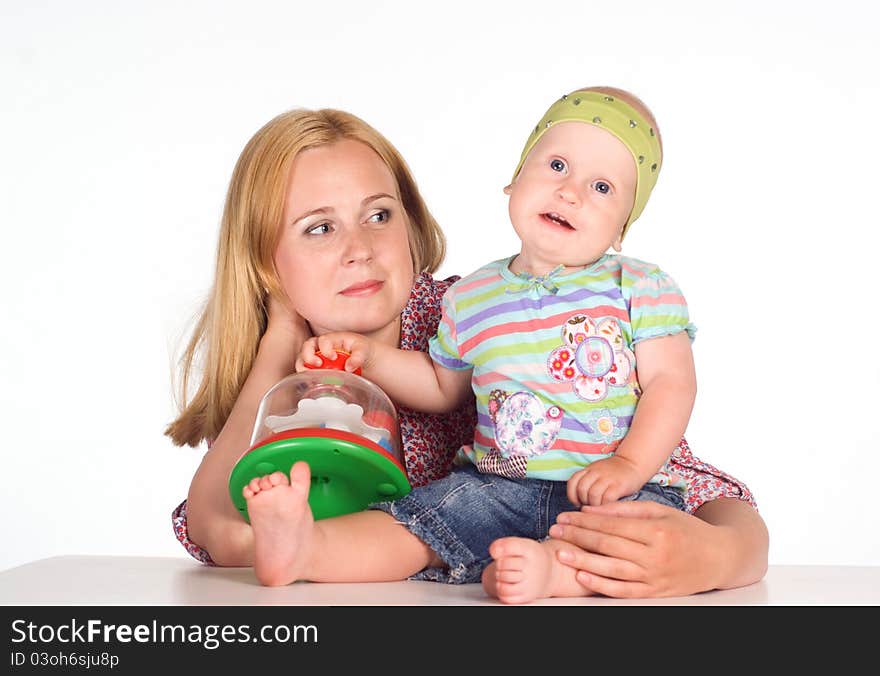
(581,139)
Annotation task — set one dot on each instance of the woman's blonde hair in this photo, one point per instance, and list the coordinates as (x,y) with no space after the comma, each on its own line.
(234,318)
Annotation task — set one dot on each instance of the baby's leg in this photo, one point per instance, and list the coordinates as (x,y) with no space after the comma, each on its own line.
(525,570)
(290,545)
(282,523)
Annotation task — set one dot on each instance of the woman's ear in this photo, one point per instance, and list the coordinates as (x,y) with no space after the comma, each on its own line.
(616,244)
(508,188)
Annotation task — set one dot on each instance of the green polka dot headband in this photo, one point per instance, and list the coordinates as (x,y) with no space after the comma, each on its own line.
(619,118)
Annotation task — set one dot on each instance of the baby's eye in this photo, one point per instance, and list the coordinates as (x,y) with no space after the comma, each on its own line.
(557,165)
(602,187)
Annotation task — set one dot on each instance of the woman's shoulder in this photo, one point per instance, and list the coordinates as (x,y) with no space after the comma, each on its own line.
(420,317)
(429,289)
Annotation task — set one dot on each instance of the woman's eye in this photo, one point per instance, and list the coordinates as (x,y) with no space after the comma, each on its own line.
(319,229)
(380,216)
(602,187)
(557,165)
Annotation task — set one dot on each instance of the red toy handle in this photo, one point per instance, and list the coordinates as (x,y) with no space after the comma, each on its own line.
(337,364)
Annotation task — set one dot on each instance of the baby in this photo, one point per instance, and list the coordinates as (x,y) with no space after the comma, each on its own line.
(580,362)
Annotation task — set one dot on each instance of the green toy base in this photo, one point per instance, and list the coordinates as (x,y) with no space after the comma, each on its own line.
(347,476)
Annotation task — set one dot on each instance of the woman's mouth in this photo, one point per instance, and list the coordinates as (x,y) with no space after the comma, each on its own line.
(556,219)
(366,288)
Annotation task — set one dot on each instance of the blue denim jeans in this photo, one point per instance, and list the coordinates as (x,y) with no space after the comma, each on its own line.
(460,515)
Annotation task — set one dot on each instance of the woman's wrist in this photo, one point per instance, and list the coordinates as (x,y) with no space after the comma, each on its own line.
(280,349)
(285,332)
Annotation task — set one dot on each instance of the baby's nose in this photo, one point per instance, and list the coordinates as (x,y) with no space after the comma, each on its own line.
(568,193)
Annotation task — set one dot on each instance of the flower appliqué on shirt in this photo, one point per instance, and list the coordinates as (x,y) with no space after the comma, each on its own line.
(593,357)
(606,424)
(523,425)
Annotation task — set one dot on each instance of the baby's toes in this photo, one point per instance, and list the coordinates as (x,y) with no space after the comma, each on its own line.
(512,575)
(509,547)
(278,479)
(499,548)
(268,481)
(253,487)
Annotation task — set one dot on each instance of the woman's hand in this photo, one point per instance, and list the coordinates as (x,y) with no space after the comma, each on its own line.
(285,324)
(644,549)
(285,334)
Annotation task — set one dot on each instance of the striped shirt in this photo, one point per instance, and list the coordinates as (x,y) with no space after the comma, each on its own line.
(553,360)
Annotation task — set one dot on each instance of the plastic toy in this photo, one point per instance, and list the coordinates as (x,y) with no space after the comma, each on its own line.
(342,425)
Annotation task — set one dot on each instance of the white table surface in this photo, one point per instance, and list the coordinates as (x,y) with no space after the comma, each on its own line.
(132,580)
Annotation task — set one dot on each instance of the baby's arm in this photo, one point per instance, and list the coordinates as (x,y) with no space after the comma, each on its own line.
(668,384)
(409,377)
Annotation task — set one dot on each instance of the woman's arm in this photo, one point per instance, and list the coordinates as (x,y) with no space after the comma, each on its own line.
(644,549)
(213,521)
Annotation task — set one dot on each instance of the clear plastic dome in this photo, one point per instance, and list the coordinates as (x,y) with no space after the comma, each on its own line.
(342,425)
(330,400)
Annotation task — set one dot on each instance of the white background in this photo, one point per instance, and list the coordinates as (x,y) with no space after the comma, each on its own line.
(120,124)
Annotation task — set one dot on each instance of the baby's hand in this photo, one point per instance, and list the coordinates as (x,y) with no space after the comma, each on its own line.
(359,348)
(604,481)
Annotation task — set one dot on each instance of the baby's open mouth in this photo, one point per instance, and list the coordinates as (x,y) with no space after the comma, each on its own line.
(559,220)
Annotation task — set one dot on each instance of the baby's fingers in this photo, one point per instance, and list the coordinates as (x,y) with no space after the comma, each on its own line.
(589,487)
(571,487)
(359,354)
(598,492)
(328,344)
(613,493)
(307,355)
(352,344)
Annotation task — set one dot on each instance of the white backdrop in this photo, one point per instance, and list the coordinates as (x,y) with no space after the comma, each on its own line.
(120,125)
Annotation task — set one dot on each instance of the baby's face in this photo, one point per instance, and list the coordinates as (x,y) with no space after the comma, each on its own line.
(572,197)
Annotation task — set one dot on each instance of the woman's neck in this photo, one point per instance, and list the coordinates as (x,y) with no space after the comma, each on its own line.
(388,334)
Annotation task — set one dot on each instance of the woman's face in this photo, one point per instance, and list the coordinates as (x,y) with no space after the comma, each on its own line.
(343,257)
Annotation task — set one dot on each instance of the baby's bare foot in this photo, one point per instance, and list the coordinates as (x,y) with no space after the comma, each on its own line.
(282,520)
(525,570)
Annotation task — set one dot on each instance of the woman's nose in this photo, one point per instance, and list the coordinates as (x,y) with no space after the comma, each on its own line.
(358,246)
